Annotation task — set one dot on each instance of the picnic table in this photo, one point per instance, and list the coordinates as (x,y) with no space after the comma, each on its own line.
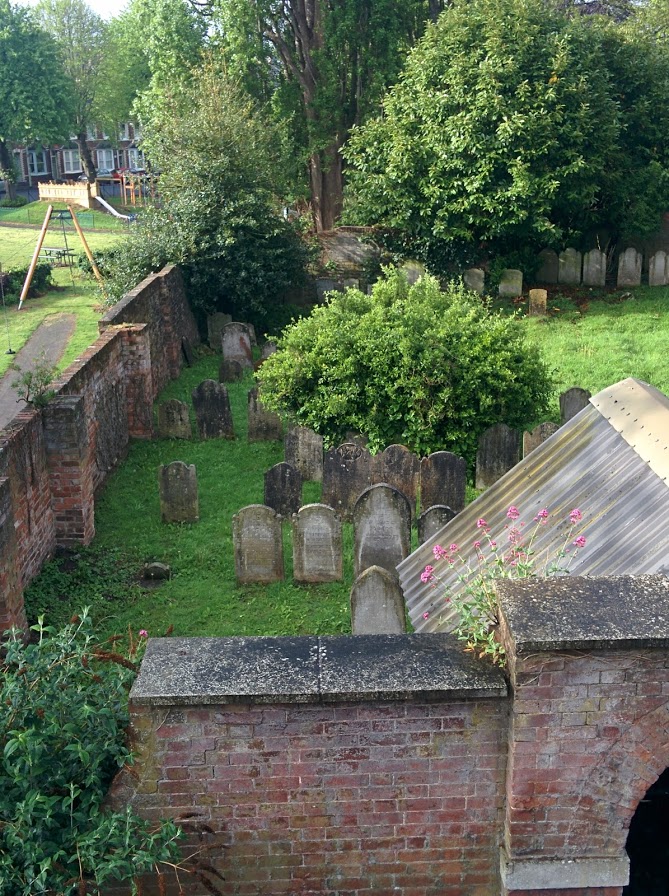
(57,255)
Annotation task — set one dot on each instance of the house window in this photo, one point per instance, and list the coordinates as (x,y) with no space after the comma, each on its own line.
(36,161)
(124,133)
(71,161)
(105,159)
(135,158)
(91,133)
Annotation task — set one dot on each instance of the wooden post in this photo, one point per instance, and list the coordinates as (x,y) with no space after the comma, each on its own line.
(33,263)
(89,254)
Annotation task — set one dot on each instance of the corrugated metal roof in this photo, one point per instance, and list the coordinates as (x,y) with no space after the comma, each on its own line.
(611,461)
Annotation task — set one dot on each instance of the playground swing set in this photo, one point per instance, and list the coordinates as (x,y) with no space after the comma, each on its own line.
(57,254)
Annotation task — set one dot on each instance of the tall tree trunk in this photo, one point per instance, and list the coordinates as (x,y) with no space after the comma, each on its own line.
(86,157)
(7,170)
(327,187)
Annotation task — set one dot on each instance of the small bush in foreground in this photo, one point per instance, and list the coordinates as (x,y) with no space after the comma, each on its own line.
(415,365)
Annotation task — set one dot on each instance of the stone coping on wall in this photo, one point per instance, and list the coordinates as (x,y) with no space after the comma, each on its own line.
(312,669)
(577,612)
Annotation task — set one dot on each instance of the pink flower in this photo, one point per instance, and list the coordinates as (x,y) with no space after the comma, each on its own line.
(454,548)
(426,615)
(579,542)
(439,552)
(477,545)
(513,513)
(426,574)
(143,633)
(493,544)
(575,516)
(514,535)
(481,524)
(542,515)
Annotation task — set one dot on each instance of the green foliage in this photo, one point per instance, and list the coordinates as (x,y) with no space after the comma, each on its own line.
(13,280)
(218,220)
(18,202)
(33,385)
(515,125)
(64,711)
(415,365)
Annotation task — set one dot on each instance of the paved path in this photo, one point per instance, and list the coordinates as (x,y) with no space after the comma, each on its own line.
(48,342)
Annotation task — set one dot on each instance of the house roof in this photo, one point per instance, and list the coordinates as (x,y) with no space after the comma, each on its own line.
(611,461)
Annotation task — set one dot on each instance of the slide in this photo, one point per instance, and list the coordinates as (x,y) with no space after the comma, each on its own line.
(112,211)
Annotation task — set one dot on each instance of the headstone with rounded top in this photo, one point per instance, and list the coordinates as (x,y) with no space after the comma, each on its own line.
(317,545)
(283,489)
(594,268)
(511,284)
(258,545)
(433,520)
(377,605)
(538,436)
(443,480)
(498,452)
(629,268)
(347,472)
(178,493)
(230,371)
(474,279)
(381,529)
(658,269)
(212,411)
(304,450)
(174,420)
(264,425)
(572,402)
(570,266)
(548,267)
(236,344)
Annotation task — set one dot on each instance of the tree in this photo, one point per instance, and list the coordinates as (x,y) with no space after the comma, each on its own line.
(412,365)
(510,127)
(81,36)
(218,219)
(328,63)
(34,92)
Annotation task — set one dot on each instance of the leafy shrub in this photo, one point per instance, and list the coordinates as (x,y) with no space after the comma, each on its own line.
(17,202)
(13,280)
(64,711)
(415,365)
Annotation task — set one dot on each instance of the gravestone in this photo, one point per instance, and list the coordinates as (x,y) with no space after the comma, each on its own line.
(283,489)
(304,450)
(629,268)
(538,302)
(594,268)
(317,545)
(178,493)
(400,468)
(174,420)
(570,264)
(230,371)
(377,605)
(433,520)
(236,344)
(258,545)
(324,285)
(538,436)
(347,472)
(658,269)
(264,425)
(443,478)
(252,334)
(381,529)
(511,283)
(212,411)
(215,324)
(498,452)
(474,279)
(268,349)
(413,271)
(187,351)
(572,402)
(548,267)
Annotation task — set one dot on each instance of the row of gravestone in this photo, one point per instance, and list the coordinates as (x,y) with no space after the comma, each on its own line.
(213,415)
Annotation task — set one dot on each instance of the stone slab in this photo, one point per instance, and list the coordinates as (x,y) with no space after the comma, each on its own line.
(309,669)
(558,875)
(575,612)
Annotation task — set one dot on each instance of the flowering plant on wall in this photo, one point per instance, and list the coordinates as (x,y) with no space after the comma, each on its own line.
(508,556)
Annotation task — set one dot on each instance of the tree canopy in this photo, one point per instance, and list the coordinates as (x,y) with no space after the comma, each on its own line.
(516,125)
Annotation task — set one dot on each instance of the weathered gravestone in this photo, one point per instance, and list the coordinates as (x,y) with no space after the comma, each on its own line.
(538,302)
(511,284)
(629,268)
(658,269)
(570,264)
(268,349)
(187,351)
(548,267)
(317,545)
(347,472)
(432,521)
(400,468)
(212,411)
(381,529)
(178,493)
(283,489)
(377,605)
(252,333)
(264,425)
(230,371)
(594,268)
(258,545)
(236,344)
(498,452)
(538,436)
(474,279)
(174,420)
(304,450)
(443,479)
(572,402)
(215,324)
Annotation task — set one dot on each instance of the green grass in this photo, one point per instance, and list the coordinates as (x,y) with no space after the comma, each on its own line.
(32,215)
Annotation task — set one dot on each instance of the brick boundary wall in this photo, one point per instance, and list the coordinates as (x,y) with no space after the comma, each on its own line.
(56,460)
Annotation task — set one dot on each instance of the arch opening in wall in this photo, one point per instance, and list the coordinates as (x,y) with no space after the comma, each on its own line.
(648,842)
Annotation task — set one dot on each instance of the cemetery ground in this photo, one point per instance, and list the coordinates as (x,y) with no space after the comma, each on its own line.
(589,340)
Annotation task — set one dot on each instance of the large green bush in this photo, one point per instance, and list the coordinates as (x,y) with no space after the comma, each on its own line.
(63,713)
(427,368)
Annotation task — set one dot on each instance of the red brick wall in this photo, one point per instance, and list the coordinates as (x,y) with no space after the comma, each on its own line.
(386,798)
